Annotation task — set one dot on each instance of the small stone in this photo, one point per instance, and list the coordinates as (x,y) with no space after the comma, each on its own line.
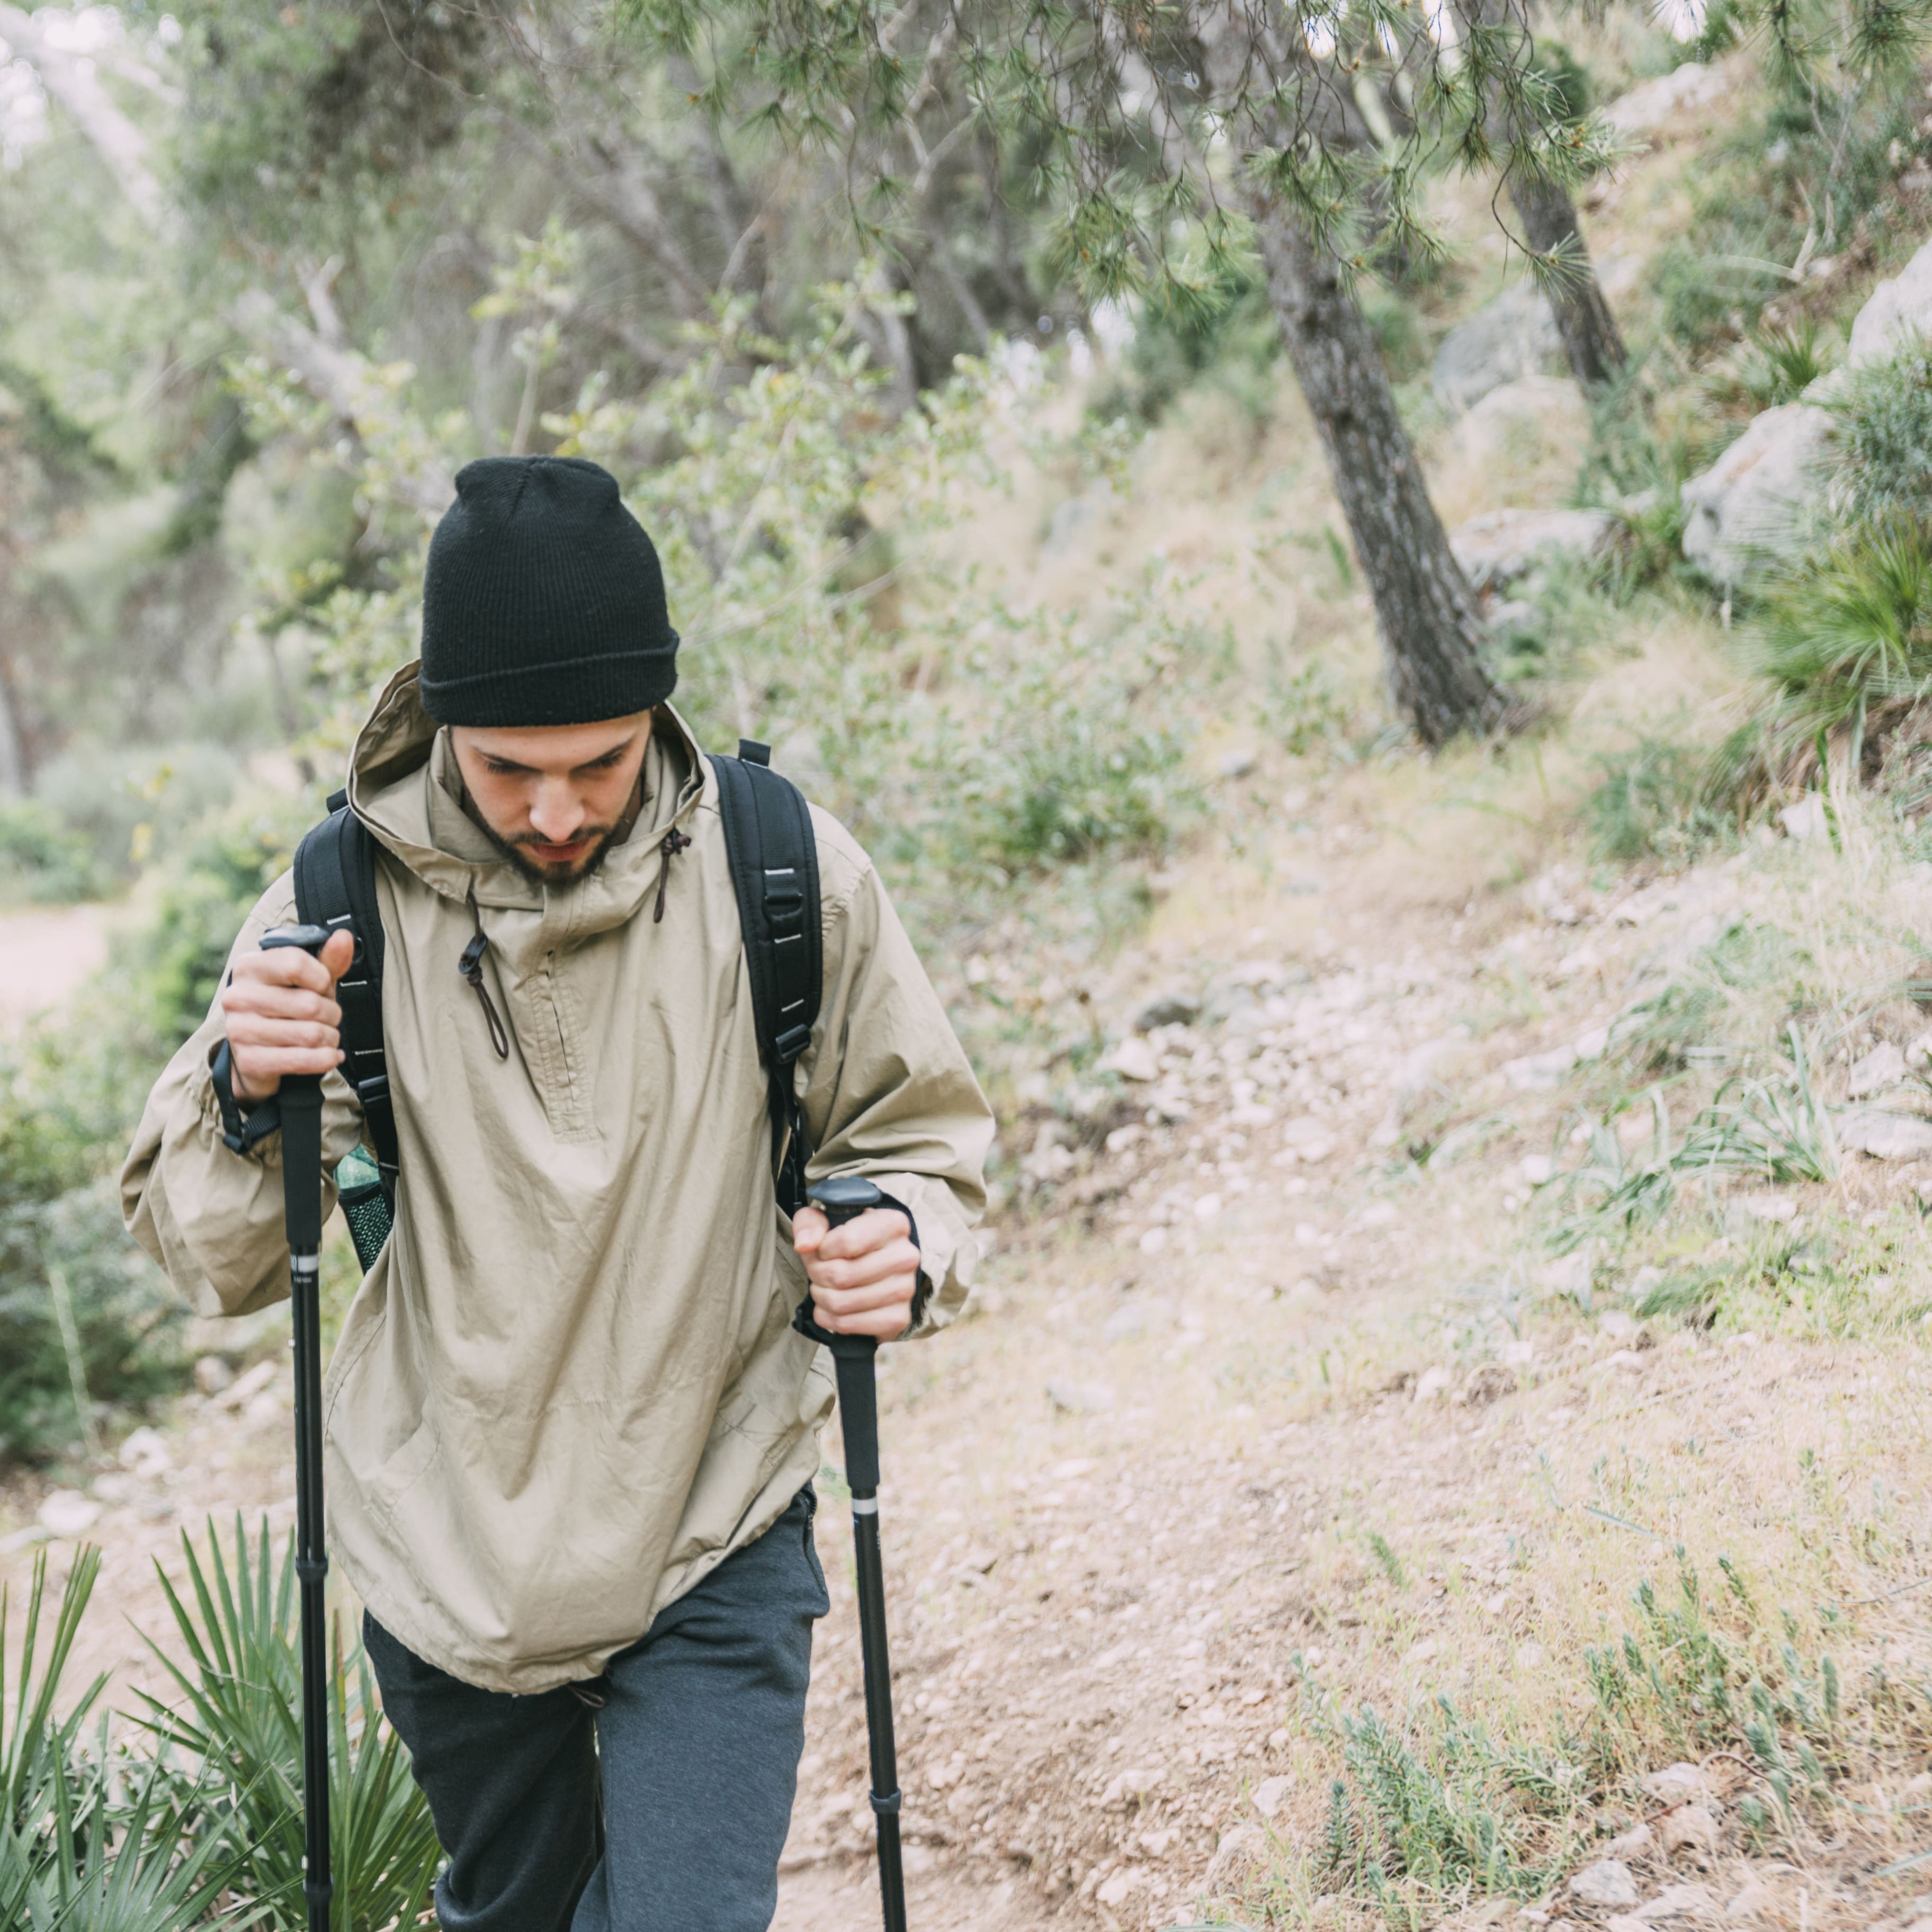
(1804,819)
(66,1513)
(1883,1066)
(1918,983)
(1769,1207)
(146,1453)
(1615,1323)
(1678,1901)
(1637,1842)
(1538,1169)
(1079,1398)
(1627,1922)
(212,1375)
(1690,1828)
(1133,1059)
(1241,1846)
(1135,1782)
(1125,1324)
(1540,1072)
(1756,1899)
(1238,764)
(1433,1383)
(1608,1882)
(1530,1657)
(1270,1794)
(1675,1784)
(248,1384)
(1175,1007)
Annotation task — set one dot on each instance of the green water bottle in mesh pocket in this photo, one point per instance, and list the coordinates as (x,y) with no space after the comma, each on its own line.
(365,1204)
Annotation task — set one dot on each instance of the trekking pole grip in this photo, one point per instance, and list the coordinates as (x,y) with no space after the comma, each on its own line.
(844,1199)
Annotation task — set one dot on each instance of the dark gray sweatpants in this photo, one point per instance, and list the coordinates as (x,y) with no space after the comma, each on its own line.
(654,1798)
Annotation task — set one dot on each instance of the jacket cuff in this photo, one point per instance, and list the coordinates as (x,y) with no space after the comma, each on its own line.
(922,1291)
(240,1133)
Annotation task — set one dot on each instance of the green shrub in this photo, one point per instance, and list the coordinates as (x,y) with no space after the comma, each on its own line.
(86,1319)
(1797,169)
(1232,340)
(41,858)
(1780,363)
(1883,454)
(1653,802)
(170,968)
(1846,643)
(70,1091)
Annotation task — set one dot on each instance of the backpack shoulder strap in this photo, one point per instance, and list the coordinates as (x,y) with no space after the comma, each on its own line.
(335,886)
(774,857)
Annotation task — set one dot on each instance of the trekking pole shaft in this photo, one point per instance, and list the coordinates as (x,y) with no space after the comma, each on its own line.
(300,1100)
(878,1673)
(854,1361)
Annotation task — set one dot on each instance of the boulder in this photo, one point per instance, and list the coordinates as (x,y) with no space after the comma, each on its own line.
(1501,545)
(1751,505)
(1646,107)
(1885,1136)
(1517,446)
(1512,336)
(1897,309)
(1749,508)
(1607,1882)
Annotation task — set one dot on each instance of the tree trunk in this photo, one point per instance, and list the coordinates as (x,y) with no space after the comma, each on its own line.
(1590,338)
(1425,610)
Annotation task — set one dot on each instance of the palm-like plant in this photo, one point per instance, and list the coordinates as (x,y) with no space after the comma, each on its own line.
(80,1850)
(239,1721)
(1847,640)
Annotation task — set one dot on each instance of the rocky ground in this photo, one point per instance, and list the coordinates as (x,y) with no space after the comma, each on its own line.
(1136,1498)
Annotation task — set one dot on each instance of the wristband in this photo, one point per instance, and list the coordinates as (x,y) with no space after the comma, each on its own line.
(240,1133)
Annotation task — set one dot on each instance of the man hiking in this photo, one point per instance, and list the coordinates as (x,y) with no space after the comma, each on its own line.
(571,1431)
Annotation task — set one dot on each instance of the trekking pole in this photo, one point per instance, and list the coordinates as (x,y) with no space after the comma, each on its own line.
(843,1198)
(301,1102)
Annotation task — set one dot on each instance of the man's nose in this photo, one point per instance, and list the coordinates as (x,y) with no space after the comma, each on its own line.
(556,815)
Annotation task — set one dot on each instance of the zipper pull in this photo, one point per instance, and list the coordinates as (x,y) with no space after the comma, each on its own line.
(674,842)
(471,967)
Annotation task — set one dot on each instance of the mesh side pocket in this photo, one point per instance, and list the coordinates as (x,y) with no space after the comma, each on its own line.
(364,1205)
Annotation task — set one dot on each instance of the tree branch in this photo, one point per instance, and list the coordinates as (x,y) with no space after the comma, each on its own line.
(74,83)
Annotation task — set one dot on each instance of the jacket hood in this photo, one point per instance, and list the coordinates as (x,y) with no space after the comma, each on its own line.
(403,785)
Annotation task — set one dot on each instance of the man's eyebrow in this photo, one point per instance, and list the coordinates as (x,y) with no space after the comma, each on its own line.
(498,763)
(609,757)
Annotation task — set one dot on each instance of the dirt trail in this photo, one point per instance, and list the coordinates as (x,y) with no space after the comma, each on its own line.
(45,952)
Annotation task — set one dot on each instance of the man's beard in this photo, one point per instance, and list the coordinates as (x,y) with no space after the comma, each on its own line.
(541,873)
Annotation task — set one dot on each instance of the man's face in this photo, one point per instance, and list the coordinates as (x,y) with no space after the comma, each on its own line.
(552,795)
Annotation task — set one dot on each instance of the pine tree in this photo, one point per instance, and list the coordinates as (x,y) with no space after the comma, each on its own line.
(1171,137)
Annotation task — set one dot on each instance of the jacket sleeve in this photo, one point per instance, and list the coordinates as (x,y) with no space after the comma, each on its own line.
(886,1088)
(212,1217)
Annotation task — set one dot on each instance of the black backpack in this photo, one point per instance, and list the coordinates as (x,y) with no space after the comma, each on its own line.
(774,858)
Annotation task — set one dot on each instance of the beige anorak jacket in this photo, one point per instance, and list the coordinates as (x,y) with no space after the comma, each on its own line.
(569,1386)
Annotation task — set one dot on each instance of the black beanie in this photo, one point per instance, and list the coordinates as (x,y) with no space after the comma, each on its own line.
(544,602)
